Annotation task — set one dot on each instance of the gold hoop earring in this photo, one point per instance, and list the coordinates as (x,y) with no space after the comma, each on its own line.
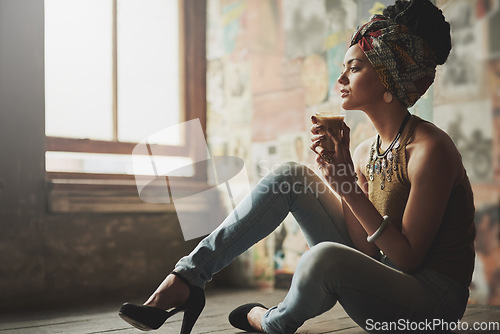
(388,97)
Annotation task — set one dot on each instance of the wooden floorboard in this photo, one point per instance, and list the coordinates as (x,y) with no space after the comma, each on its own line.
(104,319)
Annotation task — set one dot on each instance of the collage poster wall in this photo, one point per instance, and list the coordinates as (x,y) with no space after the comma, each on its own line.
(274,63)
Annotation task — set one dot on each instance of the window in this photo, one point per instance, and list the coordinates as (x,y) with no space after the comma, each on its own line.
(118,71)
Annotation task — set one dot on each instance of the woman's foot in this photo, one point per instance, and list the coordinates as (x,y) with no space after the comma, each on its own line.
(255,316)
(247,317)
(172,292)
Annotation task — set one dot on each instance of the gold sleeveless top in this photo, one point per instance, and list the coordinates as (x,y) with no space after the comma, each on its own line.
(452,251)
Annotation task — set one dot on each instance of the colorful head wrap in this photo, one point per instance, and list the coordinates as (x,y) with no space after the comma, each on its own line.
(404,62)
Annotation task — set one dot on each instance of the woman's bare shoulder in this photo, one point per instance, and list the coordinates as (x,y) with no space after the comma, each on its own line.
(429,136)
(429,142)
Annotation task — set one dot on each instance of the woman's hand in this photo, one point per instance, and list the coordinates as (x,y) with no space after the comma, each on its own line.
(337,166)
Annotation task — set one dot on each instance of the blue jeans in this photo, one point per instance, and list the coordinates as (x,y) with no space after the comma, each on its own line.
(370,290)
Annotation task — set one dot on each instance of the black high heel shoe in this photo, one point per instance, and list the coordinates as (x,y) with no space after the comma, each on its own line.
(238,317)
(147,318)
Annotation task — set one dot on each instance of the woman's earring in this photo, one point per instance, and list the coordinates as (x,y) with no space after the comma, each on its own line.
(388,97)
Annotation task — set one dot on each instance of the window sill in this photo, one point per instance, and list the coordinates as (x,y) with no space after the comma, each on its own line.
(87,193)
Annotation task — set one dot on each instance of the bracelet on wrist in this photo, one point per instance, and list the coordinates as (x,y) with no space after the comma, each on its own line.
(371,238)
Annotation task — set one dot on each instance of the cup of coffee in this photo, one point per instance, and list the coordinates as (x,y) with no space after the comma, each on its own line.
(331,122)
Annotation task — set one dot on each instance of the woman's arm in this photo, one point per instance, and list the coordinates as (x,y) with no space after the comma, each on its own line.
(433,166)
(356,231)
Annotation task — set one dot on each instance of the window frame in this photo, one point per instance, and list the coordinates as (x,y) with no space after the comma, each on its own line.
(193,65)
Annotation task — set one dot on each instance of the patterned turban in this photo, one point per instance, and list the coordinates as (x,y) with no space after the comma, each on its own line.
(404,62)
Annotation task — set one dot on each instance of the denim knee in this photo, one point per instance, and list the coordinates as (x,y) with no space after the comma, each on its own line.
(296,178)
(328,264)
(291,168)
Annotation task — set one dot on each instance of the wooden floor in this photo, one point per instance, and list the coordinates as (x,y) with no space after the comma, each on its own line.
(104,319)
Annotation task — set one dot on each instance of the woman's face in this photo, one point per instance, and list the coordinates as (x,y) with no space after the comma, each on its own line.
(360,84)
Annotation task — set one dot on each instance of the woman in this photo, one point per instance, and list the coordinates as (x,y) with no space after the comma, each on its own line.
(398,247)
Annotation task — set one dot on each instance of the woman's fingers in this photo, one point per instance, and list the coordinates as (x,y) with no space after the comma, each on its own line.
(322,157)
(329,161)
(316,128)
(323,165)
(317,137)
(316,147)
(319,160)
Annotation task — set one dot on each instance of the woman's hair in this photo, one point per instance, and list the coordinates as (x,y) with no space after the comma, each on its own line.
(426,21)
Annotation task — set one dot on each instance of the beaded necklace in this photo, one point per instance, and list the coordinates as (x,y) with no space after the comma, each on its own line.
(385,164)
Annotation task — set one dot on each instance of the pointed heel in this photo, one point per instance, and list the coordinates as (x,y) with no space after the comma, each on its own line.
(192,313)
